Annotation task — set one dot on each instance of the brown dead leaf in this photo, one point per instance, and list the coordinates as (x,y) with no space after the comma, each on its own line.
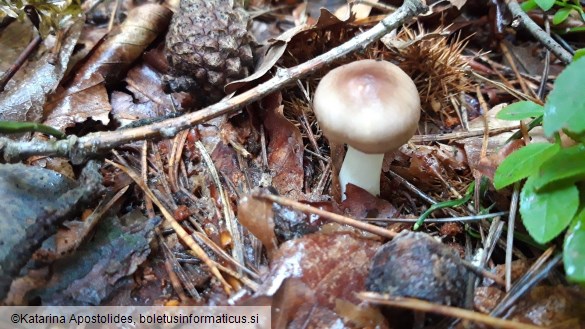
(85,95)
(25,101)
(257,216)
(334,266)
(302,42)
(147,100)
(13,40)
(285,153)
(361,204)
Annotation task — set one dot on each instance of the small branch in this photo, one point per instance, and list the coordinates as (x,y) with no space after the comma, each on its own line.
(32,46)
(538,33)
(80,148)
(424,306)
(306,209)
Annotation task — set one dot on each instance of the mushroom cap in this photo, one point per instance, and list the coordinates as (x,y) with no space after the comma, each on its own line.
(371,105)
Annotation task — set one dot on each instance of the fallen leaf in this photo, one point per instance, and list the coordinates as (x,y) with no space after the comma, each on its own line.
(285,153)
(257,216)
(91,274)
(361,204)
(25,102)
(85,96)
(333,266)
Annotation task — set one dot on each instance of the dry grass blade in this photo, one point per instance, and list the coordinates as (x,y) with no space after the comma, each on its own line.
(424,306)
(183,235)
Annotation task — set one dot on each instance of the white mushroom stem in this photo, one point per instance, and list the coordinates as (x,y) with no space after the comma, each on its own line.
(361,169)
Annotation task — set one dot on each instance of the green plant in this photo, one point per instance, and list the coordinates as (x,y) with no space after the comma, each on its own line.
(563,8)
(551,200)
(47,16)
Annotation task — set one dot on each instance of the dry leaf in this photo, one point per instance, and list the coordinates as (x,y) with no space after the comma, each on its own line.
(85,96)
(285,153)
(25,103)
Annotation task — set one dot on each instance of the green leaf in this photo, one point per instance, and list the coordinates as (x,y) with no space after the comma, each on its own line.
(546,214)
(528,5)
(561,15)
(565,106)
(520,111)
(545,4)
(578,54)
(565,167)
(574,249)
(523,163)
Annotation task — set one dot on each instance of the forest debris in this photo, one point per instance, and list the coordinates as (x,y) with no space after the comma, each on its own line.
(25,102)
(147,99)
(91,274)
(416,265)
(332,267)
(359,203)
(19,185)
(257,216)
(285,153)
(85,95)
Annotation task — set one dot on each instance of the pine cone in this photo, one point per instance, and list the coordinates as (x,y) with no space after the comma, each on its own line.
(208,46)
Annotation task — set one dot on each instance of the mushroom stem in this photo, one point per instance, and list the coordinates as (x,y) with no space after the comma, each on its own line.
(361,169)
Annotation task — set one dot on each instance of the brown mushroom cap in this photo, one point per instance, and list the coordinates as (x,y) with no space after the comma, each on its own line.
(371,105)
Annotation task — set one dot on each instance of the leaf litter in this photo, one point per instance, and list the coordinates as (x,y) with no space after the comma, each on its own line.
(308,269)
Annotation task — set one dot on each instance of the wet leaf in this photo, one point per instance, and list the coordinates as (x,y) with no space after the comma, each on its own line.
(257,216)
(565,108)
(92,273)
(548,306)
(362,204)
(547,213)
(86,96)
(523,163)
(574,249)
(25,102)
(285,153)
(334,266)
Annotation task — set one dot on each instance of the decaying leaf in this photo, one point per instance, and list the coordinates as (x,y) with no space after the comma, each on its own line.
(33,221)
(301,42)
(85,95)
(285,153)
(93,272)
(333,266)
(362,204)
(257,216)
(25,103)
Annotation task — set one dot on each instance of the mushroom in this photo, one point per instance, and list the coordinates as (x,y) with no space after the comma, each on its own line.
(373,107)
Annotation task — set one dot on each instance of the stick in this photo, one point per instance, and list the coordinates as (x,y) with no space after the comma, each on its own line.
(538,33)
(78,149)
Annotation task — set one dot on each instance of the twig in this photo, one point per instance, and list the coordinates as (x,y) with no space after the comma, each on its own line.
(78,149)
(19,61)
(326,214)
(424,306)
(473,218)
(538,33)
